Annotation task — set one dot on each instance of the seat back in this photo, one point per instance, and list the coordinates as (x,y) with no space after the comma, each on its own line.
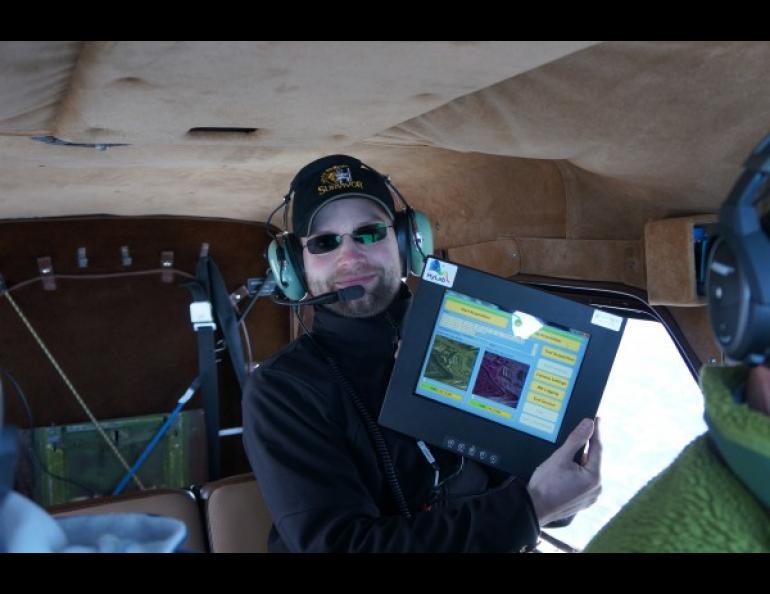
(175,503)
(237,518)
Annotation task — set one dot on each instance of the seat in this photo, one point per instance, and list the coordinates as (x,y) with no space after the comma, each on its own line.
(237,518)
(175,503)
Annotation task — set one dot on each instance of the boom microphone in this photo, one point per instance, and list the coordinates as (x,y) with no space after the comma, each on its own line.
(346,294)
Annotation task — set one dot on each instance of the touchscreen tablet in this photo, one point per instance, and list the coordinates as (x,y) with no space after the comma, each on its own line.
(497,371)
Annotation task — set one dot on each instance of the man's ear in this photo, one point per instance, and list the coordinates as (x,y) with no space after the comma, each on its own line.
(758,389)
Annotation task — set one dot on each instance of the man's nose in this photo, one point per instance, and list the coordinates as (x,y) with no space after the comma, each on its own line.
(350,248)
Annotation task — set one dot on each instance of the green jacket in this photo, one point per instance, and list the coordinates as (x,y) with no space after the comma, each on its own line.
(716,495)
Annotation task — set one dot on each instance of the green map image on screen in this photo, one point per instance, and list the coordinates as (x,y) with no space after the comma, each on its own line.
(451,362)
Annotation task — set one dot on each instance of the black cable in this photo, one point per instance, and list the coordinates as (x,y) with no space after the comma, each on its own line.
(373,429)
(249,305)
(455,474)
(110,275)
(32,446)
(295,309)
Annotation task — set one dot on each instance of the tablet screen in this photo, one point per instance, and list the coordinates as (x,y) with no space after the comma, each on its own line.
(509,367)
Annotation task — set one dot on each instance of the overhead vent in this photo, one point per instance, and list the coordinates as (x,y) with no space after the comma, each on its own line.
(207,130)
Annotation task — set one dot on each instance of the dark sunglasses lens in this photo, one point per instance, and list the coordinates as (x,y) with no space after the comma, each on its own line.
(365,235)
(370,233)
(323,243)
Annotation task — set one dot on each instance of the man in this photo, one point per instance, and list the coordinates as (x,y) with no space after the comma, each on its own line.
(715,497)
(324,478)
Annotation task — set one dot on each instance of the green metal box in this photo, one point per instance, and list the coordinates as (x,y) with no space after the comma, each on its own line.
(74,462)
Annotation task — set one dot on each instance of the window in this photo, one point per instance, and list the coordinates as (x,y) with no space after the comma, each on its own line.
(651,408)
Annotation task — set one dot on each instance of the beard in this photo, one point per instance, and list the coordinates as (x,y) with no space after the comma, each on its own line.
(376,299)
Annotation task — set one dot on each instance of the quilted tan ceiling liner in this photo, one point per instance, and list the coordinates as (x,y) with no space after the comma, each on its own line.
(579,140)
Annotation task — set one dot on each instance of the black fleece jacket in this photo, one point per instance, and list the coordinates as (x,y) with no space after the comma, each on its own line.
(319,472)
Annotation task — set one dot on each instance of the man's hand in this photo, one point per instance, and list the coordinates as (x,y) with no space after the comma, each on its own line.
(559,487)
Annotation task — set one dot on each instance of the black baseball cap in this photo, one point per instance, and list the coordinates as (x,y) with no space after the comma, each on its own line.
(334,178)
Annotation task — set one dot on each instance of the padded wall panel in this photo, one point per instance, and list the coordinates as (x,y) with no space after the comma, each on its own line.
(125,343)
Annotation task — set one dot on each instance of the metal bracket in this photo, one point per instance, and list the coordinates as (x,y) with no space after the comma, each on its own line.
(262,286)
(253,284)
(167,263)
(82,258)
(125,256)
(45,266)
(239,295)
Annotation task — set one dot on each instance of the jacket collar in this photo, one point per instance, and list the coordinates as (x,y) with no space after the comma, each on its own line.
(375,336)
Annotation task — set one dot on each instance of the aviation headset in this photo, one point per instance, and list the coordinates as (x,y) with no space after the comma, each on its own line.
(412,228)
(738,277)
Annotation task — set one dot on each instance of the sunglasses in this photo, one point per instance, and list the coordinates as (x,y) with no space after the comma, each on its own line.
(365,235)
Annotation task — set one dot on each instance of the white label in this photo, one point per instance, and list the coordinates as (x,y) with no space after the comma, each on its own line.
(200,311)
(607,320)
(441,273)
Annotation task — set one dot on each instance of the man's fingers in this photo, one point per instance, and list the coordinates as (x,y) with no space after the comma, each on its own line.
(594,460)
(576,440)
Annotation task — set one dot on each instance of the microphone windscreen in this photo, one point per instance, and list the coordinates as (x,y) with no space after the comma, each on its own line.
(351,293)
